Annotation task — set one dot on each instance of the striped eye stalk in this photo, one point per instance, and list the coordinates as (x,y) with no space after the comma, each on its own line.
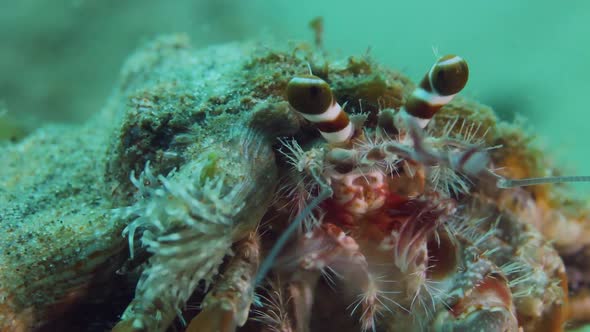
(313,99)
(445,79)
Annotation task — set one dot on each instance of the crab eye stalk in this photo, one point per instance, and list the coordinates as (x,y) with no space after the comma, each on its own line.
(447,77)
(309,94)
(313,99)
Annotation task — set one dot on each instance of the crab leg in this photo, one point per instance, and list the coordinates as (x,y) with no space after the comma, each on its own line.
(227,305)
(301,292)
(329,248)
(580,307)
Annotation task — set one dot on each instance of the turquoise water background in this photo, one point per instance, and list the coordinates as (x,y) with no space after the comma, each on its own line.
(60,59)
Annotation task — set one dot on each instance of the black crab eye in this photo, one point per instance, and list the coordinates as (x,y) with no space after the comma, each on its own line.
(309,94)
(449,75)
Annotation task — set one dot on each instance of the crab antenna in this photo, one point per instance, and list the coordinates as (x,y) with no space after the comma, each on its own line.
(312,97)
(444,80)
(282,240)
(309,68)
(504,183)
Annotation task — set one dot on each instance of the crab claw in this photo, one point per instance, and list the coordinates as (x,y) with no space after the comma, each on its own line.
(487,320)
(487,307)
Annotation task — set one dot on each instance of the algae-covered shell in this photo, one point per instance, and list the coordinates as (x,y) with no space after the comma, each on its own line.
(58,239)
(62,243)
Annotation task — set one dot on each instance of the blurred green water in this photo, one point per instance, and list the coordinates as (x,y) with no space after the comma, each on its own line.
(60,59)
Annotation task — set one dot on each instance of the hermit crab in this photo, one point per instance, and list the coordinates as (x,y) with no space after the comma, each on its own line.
(398,217)
(242,188)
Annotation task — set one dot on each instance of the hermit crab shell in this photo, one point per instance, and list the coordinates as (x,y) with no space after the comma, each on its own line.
(59,241)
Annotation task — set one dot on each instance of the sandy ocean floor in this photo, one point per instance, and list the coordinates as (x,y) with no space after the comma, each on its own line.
(60,59)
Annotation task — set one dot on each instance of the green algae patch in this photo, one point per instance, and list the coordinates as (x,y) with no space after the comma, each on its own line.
(269,71)
(368,87)
(468,118)
(174,99)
